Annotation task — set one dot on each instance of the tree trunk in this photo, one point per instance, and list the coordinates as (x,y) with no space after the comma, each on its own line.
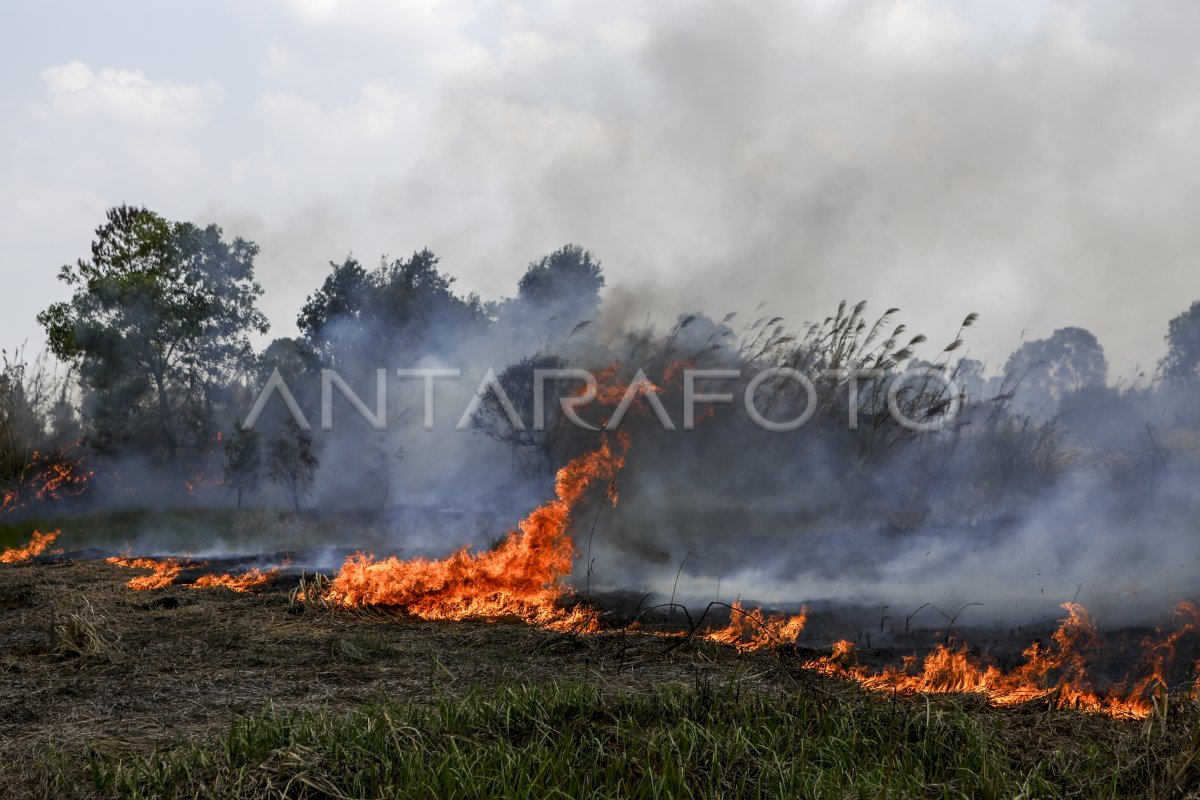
(164,419)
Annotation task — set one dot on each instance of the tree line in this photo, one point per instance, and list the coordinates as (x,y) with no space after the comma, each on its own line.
(157,343)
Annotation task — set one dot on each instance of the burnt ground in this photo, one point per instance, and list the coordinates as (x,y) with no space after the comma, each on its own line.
(138,671)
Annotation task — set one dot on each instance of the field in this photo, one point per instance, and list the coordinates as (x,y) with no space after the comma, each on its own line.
(108,692)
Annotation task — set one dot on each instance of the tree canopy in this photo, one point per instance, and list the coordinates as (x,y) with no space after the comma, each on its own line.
(160,318)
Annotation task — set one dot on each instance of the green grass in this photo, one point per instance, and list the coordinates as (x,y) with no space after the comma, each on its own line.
(186,528)
(578,741)
(112,528)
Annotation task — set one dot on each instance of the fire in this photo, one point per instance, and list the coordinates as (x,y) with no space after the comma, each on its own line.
(1057,673)
(753,630)
(163,571)
(1159,655)
(38,545)
(48,476)
(520,578)
(238,583)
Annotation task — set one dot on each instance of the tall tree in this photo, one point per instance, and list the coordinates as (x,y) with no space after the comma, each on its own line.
(158,325)
(243,462)
(562,290)
(1044,370)
(1182,361)
(360,317)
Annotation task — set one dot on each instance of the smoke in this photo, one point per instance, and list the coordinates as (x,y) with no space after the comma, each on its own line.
(1028,165)
(1032,166)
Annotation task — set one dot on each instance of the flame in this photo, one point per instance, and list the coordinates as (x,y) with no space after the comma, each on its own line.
(38,545)
(753,630)
(520,578)
(48,476)
(163,571)
(1159,655)
(1057,673)
(202,481)
(239,583)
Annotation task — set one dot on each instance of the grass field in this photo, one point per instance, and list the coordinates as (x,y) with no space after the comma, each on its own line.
(106,692)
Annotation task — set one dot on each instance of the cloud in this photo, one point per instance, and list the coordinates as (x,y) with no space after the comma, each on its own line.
(126,96)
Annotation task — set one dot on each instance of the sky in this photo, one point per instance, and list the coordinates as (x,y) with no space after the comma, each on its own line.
(1036,163)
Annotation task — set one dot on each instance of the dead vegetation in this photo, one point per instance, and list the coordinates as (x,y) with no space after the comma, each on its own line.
(123,693)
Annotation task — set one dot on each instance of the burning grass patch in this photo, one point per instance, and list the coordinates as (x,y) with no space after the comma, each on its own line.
(357,702)
(575,740)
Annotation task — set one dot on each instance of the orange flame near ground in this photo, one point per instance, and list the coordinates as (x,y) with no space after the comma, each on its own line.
(753,630)
(163,571)
(38,545)
(252,579)
(1057,673)
(519,578)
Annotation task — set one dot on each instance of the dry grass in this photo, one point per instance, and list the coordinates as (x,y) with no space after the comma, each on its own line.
(120,680)
(82,631)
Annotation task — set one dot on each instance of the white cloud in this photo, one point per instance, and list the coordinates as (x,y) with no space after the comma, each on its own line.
(126,96)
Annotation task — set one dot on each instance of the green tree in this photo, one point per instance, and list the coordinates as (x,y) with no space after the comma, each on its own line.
(561,290)
(291,461)
(158,327)
(408,305)
(243,462)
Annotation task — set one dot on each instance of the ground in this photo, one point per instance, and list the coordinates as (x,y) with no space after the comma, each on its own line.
(215,693)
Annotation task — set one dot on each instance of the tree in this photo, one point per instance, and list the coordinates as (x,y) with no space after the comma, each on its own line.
(537,451)
(562,288)
(380,458)
(358,317)
(158,325)
(1182,361)
(291,462)
(243,462)
(1047,369)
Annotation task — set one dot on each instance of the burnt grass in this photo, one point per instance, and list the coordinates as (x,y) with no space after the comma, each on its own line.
(107,692)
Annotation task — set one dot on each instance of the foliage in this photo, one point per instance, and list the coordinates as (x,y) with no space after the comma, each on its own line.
(158,323)
(401,306)
(1047,369)
(1181,364)
(291,461)
(243,462)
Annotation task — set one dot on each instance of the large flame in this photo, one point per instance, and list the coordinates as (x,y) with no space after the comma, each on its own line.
(519,578)
(38,545)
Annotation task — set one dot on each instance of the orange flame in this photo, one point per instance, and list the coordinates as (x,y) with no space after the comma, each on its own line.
(1057,673)
(753,630)
(48,476)
(38,545)
(238,583)
(163,571)
(519,578)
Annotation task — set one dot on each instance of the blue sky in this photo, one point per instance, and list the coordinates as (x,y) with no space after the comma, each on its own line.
(1036,163)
